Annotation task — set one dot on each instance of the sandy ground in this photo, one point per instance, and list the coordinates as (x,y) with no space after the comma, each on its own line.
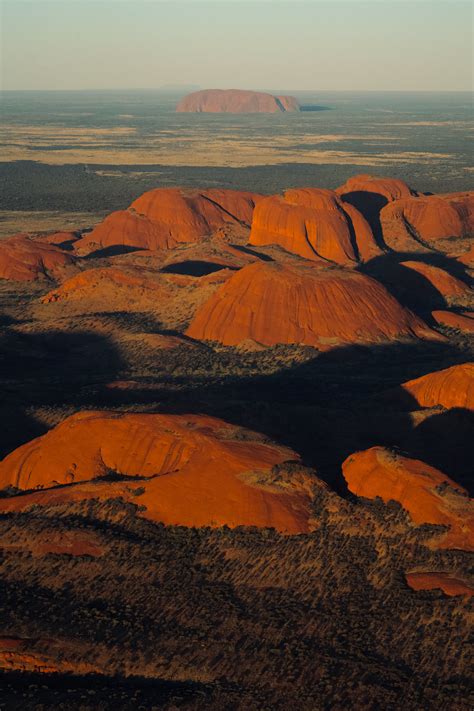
(127,146)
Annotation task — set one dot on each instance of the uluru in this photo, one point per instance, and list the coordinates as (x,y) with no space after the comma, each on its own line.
(236,101)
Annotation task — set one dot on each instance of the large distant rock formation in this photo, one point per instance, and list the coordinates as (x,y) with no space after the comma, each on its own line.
(236,101)
(272,303)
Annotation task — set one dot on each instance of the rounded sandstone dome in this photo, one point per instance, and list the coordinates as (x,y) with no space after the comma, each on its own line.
(236,101)
(451,387)
(315,224)
(427,494)
(273,303)
(165,217)
(189,470)
(23,259)
(389,188)
(411,224)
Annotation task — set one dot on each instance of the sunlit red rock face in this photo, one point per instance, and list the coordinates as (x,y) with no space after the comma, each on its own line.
(236,101)
(462,322)
(427,494)
(166,217)
(273,303)
(315,224)
(417,223)
(451,288)
(189,470)
(23,259)
(446,582)
(451,387)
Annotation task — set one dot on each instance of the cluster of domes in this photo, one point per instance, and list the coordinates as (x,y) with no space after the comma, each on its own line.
(253,270)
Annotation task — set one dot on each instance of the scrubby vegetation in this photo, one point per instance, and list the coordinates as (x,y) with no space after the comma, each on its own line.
(323,620)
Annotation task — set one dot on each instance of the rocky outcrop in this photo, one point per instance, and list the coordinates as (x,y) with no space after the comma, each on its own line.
(189,470)
(271,303)
(422,223)
(166,217)
(23,259)
(236,101)
(461,322)
(451,387)
(427,494)
(446,582)
(315,224)
(359,188)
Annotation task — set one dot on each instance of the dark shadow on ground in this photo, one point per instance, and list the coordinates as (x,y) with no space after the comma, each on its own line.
(195,268)
(47,370)
(253,252)
(325,409)
(114,250)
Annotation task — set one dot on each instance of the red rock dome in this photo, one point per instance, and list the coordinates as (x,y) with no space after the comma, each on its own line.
(23,259)
(315,224)
(165,217)
(427,494)
(417,223)
(389,188)
(236,101)
(324,307)
(189,470)
(451,387)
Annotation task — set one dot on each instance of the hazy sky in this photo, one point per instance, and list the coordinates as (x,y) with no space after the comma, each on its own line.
(312,44)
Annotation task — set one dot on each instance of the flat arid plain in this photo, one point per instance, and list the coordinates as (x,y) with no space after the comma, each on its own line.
(237,417)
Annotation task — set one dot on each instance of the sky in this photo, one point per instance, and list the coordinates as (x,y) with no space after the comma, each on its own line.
(244,44)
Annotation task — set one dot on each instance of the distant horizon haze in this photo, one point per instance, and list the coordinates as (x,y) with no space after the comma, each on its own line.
(337,45)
